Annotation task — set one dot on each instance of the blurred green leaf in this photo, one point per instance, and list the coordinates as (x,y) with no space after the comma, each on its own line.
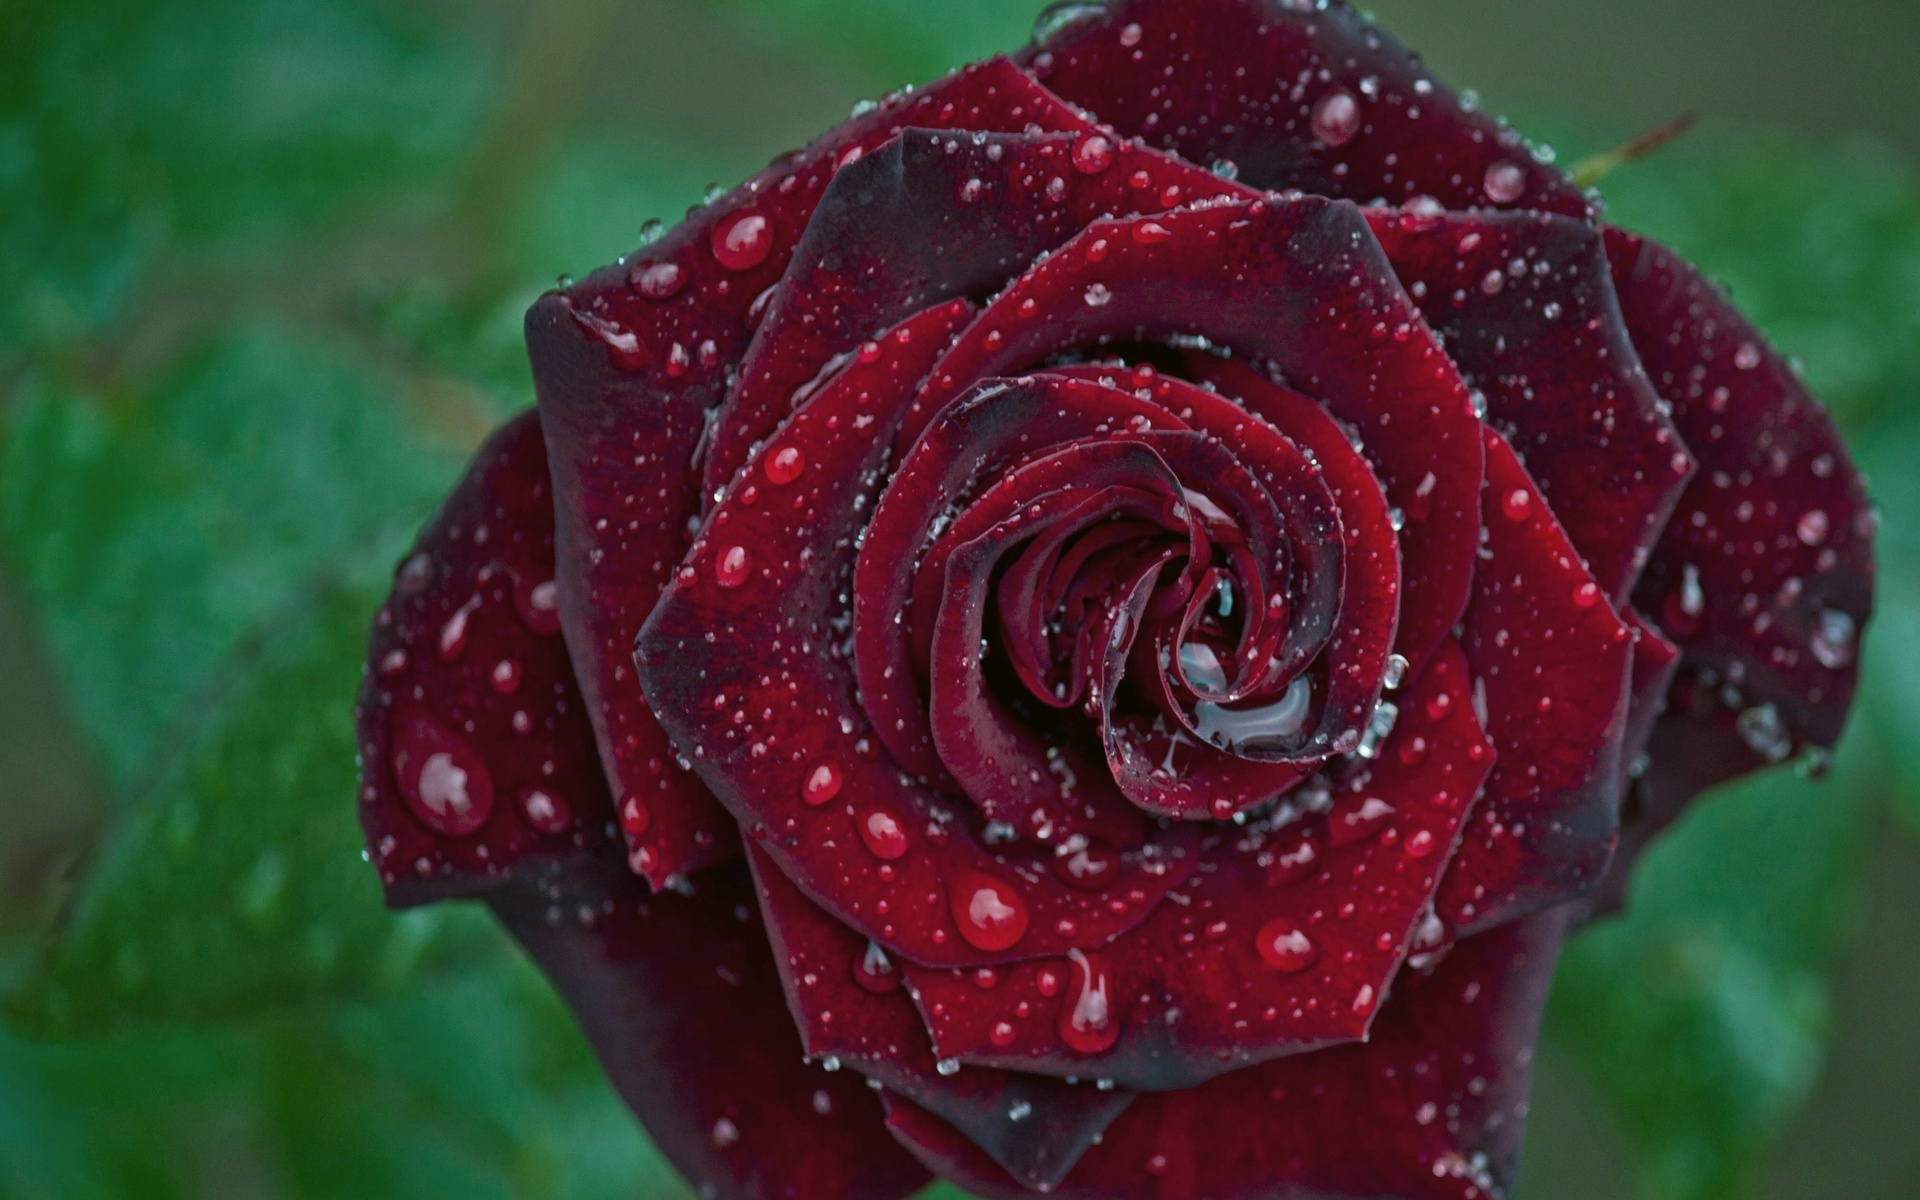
(216,126)
(477,1088)
(898,41)
(201,559)
(1701,1012)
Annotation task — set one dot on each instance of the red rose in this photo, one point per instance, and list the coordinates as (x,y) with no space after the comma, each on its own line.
(1152,645)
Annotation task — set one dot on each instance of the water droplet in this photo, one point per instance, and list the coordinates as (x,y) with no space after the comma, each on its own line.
(414,575)
(1685,607)
(1747,357)
(725,1133)
(1284,946)
(1272,725)
(1151,233)
(1097,295)
(730,567)
(1765,732)
(657,280)
(539,607)
(1087,866)
(883,835)
(443,781)
(1336,117)
(1517,504)
(990,914)
(1813,527)
(1505,182)
(1586,595)
(1001,1034)
(393,661)
(634,816)
(1396,672)
(505,677)
(1087,1023)
(1833,639)
(1130,35)
(1056,17)
(785,464)
(1420,843)
(1092,154)
(453,634)
(545,811)
(742,240)
(822,785)
(874,971)
(1379,727)
(947,1066)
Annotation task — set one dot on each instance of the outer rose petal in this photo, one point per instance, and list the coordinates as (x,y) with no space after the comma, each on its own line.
(1764,578)
(845,995)
(766,707)
(929,217)
(1553,663)
(1431,1107)
(1526,306)
(1300,282)
(679,998)
(627,366)
(1286,940)
(477,762)
(1296,95)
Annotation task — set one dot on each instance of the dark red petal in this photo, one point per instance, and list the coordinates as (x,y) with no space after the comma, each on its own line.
(628,365)
(1295,95)
(1431,1107)
(1655,662)
(746,661)
(678,996)
(1764,578)
(929,217)
(1552,663)
(1526,305)
(477,761)
(1301,283)
(1285,940)
(845,994)
(896,571)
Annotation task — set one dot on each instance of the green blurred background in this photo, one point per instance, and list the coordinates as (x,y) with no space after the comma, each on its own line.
(262,264)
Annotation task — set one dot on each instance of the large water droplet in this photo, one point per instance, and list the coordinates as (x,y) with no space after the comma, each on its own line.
(1336,117)
(658,280)
(785,464)
(742,240)
(883,835)
(1284,946)
(1505,182)
(1087,1021)
(1833,640)
(990,914)
(443,781)
(822,784)
(730,567)
(874,971)
(1092,154)
(545,811)
(1252,728)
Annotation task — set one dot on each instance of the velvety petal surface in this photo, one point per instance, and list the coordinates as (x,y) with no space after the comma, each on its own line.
(477,761)
(627,366)
(767,710)
(1764,577)
(1285,939)
(680,1000)
(1431,1107)
(1525,305)
(932,216)
(1552,663)
(845,994)
(1295,95)
(1303,284)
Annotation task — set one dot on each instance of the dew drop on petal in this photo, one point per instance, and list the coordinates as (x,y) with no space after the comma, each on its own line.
(1092,154)
(874,971)
(730,567)
(822,784)
(1284,946)
(658,280)
(883,835)
(443,781)
(545,811)
(1087,1020)
(1336,117)
(990,914)
(785,464)
(1505,182)
(742,240)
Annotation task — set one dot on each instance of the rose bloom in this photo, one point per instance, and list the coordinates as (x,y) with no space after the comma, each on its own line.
(1092,630)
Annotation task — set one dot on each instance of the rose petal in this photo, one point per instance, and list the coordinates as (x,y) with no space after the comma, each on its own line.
(627,368)
(1294,95)
(1552,663)
(1303,284)
(1764,578)
(1432,1105)
(845,995)
(678,996)
(1526,305)
(477,761)
(929,217)
(767,710)
(1269,949)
